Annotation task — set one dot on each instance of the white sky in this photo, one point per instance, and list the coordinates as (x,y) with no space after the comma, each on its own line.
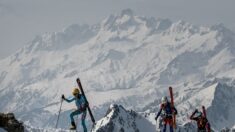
(22,20)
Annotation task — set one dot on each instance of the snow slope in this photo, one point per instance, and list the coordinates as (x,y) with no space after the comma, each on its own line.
(125,59)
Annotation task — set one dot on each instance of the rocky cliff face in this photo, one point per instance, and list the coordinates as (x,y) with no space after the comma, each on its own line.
(9,123)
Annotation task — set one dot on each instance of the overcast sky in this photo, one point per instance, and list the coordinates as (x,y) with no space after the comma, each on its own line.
(22,20)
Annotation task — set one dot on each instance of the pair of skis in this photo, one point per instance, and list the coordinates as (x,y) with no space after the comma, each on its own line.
(89,109)
(204,111)
(172,106)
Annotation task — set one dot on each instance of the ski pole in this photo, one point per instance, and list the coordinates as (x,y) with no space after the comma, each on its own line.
(59,113)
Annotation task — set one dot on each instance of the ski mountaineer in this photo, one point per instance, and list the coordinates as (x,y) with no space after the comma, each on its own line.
(202,123)
(81,104)
(166,111)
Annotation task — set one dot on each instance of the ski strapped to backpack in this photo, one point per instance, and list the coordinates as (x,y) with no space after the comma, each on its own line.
(204,111)
(172,105)
(89,110)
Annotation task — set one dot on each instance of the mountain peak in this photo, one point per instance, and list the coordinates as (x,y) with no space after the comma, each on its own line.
(124,20)
(119,119)
(182,27)
(128,12)
(222,30)
(219,27)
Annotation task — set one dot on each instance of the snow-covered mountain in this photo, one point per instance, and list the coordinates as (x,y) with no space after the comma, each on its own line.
(119,119)
(125,59)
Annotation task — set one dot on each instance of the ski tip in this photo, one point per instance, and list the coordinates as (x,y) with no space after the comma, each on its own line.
(170,88)
(78,80)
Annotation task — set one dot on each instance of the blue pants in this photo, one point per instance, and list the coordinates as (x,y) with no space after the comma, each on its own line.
(164,128)
(83,117)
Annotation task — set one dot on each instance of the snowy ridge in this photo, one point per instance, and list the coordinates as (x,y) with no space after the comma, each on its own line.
(119,119)
(126,59)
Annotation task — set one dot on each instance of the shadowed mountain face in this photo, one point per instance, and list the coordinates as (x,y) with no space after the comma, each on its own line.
(125,59)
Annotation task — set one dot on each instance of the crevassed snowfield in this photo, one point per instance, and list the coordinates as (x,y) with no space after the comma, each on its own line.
(125,59)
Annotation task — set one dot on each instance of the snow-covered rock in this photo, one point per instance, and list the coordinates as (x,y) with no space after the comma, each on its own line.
(119,119)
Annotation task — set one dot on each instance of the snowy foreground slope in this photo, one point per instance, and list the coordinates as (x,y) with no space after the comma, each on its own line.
(125,59)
